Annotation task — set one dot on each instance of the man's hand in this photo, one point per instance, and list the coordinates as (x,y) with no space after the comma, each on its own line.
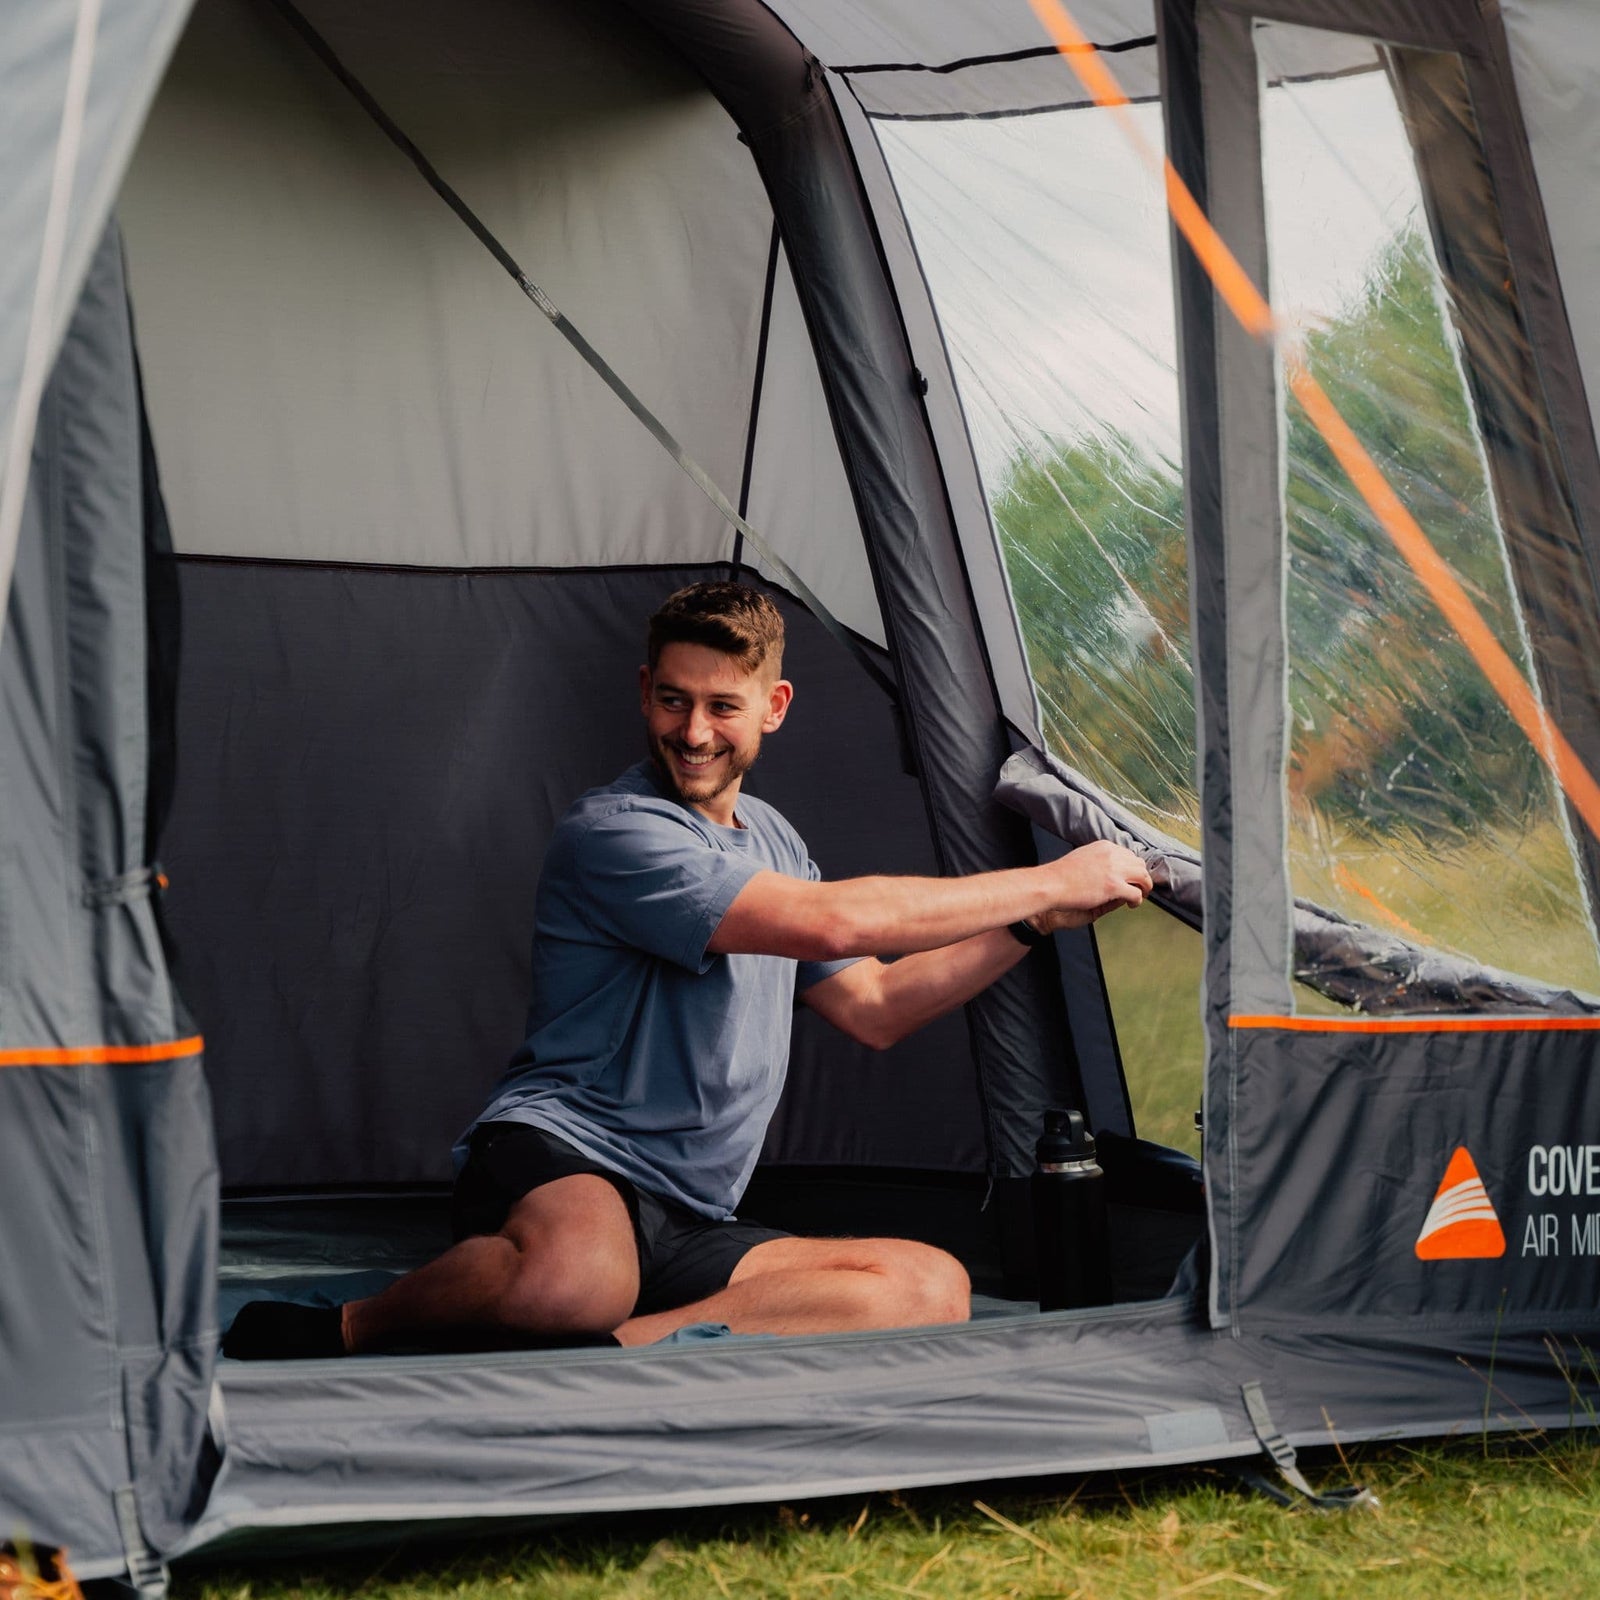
(1090,881)
(880,1004)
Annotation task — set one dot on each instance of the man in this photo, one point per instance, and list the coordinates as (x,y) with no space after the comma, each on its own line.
(677,919)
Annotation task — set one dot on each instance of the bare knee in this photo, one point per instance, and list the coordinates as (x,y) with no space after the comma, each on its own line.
(572,1264)
(925,1285)
(547,1295)
(945,1288)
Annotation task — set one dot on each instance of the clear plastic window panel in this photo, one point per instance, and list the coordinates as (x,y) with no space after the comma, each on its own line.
(1416,804)
(1044,242)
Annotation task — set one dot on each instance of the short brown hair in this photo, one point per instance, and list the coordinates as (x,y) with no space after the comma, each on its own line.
(730,617)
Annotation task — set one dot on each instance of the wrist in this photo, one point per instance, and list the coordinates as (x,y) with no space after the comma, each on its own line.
(1025,933)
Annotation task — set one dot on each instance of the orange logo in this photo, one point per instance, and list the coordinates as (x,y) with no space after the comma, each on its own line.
(1461,1224)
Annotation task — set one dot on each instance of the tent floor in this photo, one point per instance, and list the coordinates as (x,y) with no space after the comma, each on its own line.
(326,1248)
(322,1455)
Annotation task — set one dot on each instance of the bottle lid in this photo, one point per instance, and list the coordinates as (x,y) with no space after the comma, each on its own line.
(1066,1137)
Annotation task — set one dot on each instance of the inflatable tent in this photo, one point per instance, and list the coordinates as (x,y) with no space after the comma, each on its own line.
(327,564)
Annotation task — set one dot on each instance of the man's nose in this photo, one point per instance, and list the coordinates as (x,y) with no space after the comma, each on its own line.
(698,729)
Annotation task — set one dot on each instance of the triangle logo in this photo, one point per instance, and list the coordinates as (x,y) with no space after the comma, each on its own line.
(1461,1224)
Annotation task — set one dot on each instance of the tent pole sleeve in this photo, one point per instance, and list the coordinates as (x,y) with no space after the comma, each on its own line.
(1252,539)
(1197,313)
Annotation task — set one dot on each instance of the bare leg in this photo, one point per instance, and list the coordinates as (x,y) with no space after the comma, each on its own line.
(824,1286)
(565,1262)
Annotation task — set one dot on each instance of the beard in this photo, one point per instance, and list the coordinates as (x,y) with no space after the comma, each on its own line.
(720,776)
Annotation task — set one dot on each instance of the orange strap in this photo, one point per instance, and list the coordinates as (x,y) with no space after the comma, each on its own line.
(1420,1024)
(104,1054)
(1250,307)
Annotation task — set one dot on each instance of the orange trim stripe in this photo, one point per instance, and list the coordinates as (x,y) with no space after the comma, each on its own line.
(1421,1024)
(104,1054)
(1250,307)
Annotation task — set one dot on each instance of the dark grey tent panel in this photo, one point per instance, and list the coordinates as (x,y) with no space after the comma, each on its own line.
(386,752)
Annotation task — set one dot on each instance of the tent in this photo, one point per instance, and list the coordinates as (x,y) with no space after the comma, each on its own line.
(327,562)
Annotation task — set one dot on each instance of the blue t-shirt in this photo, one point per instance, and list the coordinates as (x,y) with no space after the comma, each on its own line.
(654,1057)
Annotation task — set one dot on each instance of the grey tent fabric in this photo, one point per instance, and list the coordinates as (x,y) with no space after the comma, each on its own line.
(1253,552)
(76,81)
(1140,1386)
(473,448)
(108,1181)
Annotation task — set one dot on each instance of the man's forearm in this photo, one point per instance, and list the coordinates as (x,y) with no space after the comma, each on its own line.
(917,988)
(782,916)
(882,915)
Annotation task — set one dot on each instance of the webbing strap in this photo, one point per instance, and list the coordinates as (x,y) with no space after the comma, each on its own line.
(1283,1457)
(147,1572)
(653,425)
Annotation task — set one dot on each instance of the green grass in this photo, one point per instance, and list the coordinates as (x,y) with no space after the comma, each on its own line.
(1458,1523)
(1152,966)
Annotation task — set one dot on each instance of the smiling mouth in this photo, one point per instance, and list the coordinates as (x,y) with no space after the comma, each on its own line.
(695,762)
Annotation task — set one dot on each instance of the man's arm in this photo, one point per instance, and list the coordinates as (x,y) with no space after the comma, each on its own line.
(776,915)
(878,1003)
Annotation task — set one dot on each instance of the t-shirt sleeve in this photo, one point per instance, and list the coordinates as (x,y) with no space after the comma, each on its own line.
(810,972)
(654,883)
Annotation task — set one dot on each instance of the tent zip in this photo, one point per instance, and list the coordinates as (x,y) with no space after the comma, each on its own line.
(653,425)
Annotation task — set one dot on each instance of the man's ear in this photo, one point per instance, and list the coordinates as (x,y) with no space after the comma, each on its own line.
(779,697)
(644,690)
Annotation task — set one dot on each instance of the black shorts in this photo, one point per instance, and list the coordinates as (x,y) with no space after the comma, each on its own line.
(682,1256)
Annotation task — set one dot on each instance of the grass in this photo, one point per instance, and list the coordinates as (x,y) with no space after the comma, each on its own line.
(1152,966)
(1454,1523)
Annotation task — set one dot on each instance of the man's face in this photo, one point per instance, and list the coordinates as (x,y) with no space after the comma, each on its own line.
(705,716)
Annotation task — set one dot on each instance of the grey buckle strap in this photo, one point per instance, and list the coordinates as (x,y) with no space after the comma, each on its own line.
(147,1572)
(1285,1460)
(653,425)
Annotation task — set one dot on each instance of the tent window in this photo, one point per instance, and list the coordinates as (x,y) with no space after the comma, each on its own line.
(1415,802)
(1045,248)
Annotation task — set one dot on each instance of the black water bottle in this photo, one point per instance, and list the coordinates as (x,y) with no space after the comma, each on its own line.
(1071,1242)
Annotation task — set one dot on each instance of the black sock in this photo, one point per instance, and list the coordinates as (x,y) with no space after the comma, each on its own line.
(277,1330)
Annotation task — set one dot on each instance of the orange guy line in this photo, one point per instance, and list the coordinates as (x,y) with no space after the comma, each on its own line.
(1250,308)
